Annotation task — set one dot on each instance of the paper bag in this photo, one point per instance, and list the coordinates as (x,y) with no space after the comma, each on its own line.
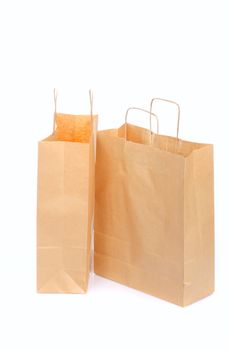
(65,203)
(154,216)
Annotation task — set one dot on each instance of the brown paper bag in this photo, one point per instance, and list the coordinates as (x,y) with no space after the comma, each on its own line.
(154,215)
(65,203)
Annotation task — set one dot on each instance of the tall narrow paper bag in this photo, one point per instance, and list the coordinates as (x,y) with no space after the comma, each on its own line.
(65,202)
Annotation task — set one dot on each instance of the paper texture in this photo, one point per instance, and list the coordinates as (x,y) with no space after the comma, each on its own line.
(154,214)
(65,203)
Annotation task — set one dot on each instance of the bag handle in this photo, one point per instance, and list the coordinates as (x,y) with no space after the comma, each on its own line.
(55,95)
(169,101)
(143,110)
(91,104)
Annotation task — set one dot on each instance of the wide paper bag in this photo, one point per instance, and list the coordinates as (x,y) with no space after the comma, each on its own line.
(65,203)
(154,216)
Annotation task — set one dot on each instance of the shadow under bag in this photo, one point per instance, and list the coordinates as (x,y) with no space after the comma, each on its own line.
(154,213)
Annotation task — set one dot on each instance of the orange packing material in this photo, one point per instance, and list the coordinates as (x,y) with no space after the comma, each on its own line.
(72,128)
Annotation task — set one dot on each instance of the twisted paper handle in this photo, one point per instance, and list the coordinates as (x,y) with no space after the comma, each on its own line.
(143,110)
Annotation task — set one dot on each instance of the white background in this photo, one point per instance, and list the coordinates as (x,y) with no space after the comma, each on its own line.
(127,52)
